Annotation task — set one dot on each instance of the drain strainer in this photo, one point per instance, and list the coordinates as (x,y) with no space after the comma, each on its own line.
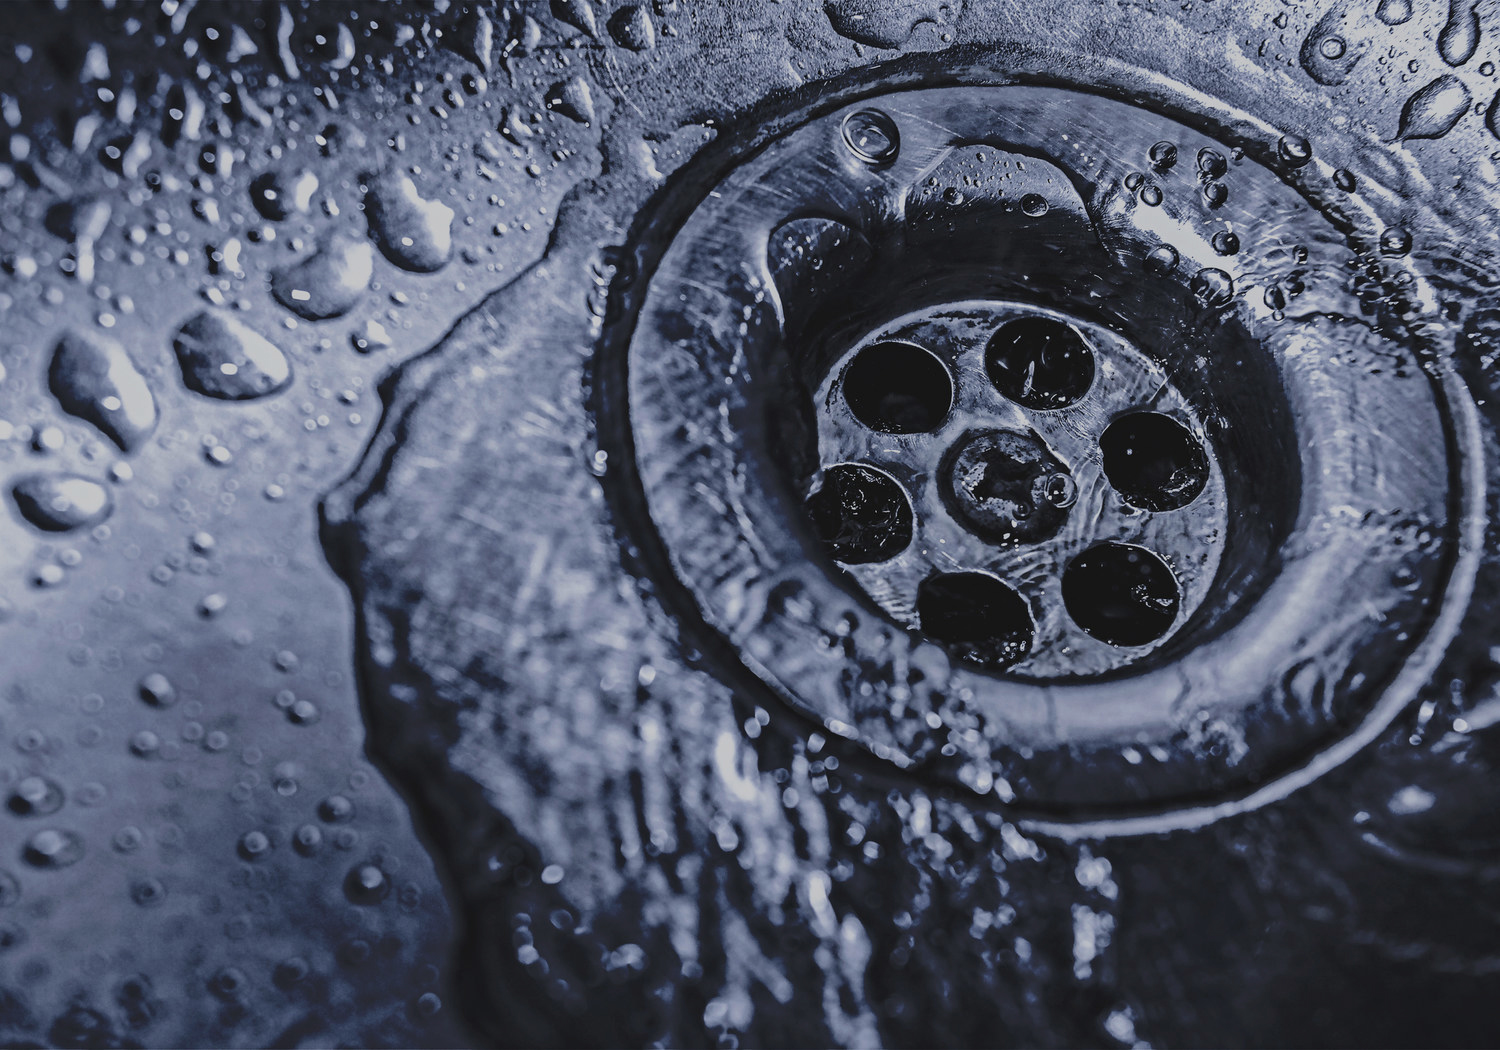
(1053,459)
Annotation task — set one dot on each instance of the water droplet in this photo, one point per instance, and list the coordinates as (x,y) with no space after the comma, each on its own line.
(1151,194)
(94,379)
(223,358)
(1034,205)
(367,885)
(329,282)
(1294,150)
(1344,179)
(1213,288)
(1225,242)
(1433,110)
(577,13)
(572,99)
(884,23)
(148,892)
(475,39)
(254,844)
(35,796)
(52,848)
(1215,193)
(279,194)
(369,337)
(1164,156)
(1334,46)
(1459,38)
(631,26)
(62,502)
(1395,241)
(1162,259)
(1061,490)
(336,809)
(1393,12)
(414,233)
(81,222)
(871,136)
(1211,163)
(1492,116)
(307,839)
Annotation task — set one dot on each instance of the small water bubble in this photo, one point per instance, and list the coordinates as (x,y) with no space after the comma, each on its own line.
(1162,259)
(228,983)
(1034,205)
(871,135)
(254,845)
(291,971)
(307,839)
(1211,163)
(129,839)
(156,690)
(1061,490)
(145,744)
(367,884)
(1213,287)
(1163,156)
(1215,193)
(1332,47)
(1344,179)
(1151,194)
(336,809)
(1395,241)
(1225,242)
(1294,150)
(148,892)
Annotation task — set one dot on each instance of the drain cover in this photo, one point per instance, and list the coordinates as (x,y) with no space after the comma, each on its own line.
(1049,460)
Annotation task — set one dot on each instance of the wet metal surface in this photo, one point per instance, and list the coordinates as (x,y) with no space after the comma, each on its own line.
(423,627)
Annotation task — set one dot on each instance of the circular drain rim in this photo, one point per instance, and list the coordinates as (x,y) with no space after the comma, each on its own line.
(1464,522)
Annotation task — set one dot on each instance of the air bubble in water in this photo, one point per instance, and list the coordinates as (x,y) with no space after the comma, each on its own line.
(872,137)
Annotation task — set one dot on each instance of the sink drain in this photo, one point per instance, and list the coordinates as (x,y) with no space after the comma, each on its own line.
(1040,462)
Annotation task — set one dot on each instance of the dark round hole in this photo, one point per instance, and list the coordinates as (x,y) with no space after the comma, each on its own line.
(860,514)
(976,616)
(1153,461)
(1040,363)
(1121,594)
(898,388)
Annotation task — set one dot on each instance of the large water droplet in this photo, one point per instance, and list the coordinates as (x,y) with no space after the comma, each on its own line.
(224,358)
(1459,38)
(632,27)
(577,13)
(52,848)
(328,282)
(883,23)
(62,502)
(1433,110)
(414,233)
(94,379)
(1213,287)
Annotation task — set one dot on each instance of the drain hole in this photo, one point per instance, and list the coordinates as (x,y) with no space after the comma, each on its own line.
(1153,461)
(898,388)
(976,616)
(860,514)
(1121,594)
(1039,363)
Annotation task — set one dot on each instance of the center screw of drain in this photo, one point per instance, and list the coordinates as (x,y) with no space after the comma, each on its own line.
(1007,486)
